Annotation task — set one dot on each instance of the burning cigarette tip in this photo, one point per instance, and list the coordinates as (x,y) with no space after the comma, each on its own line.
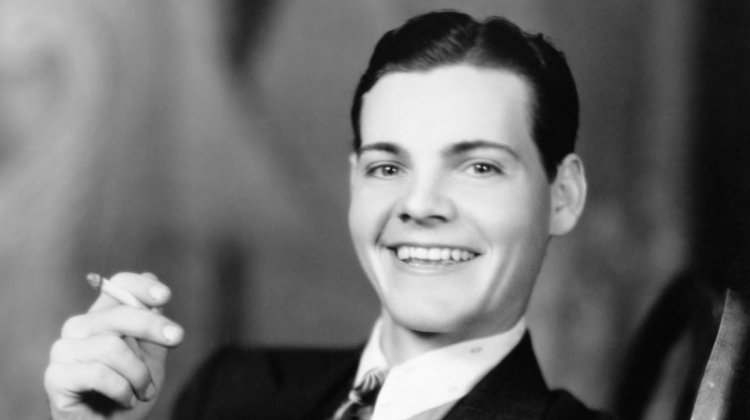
(94,280)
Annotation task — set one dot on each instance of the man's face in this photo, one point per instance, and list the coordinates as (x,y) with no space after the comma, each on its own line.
(450,206)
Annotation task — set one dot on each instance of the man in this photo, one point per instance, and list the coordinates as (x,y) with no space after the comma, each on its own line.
(462,172)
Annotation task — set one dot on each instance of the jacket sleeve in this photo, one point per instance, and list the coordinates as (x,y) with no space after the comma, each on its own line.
(231,384)
(267,384)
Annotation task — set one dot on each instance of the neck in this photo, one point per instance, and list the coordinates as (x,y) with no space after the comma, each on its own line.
(400,344)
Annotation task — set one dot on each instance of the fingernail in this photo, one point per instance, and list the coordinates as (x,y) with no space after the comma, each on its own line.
(159,292)
(172,333)
(150,391)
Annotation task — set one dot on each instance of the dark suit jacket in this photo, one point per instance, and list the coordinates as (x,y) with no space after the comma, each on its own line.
(289,384)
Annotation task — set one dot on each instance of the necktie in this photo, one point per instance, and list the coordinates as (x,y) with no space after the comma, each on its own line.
(361,400)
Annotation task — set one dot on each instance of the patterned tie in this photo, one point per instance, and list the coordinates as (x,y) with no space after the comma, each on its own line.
(361,400)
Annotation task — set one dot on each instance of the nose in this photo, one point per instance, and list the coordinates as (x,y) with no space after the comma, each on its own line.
(426,201)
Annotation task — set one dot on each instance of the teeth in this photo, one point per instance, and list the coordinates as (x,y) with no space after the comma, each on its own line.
(403,253)
(433,254)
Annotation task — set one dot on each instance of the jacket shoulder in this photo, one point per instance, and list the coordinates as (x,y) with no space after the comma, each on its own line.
(564,406)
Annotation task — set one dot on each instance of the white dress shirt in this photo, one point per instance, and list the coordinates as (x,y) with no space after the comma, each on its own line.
(427,386)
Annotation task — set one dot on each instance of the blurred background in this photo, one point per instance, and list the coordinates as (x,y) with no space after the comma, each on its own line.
(206,141)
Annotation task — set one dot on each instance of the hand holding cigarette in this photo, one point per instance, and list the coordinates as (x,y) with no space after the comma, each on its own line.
(110,360)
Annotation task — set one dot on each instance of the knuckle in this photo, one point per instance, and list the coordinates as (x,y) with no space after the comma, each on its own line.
(56,400)
(73,327)
(59,350)
(55,382)
(110,382)
(141,377)
(99,373)
(51,378)
(113,387)
(120,388)
(118,349)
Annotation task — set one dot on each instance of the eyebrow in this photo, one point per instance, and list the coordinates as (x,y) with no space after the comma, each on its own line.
(469,145)
(386,147)
(454,149)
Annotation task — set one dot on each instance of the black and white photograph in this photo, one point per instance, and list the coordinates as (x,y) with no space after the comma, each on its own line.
(375,209)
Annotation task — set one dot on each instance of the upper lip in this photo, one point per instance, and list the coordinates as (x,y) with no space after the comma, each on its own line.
(396,245)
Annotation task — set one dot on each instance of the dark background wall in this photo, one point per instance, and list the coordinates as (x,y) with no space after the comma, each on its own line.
(206,141)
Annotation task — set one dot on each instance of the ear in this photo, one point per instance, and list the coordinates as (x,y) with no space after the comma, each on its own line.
(568,195)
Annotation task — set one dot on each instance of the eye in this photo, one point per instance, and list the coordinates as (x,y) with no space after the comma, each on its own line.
(384,171)
(483,169)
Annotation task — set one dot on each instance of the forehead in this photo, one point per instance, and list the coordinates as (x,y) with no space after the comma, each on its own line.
(452,103)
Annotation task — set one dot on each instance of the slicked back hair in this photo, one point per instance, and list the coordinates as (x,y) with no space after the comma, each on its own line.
(445,38)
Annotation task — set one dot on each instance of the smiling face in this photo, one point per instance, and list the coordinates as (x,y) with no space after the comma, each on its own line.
(450,206)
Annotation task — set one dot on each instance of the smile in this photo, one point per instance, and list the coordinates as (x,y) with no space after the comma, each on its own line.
(433,255)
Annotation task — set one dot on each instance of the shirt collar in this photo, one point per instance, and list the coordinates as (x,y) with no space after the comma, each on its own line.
(438,376)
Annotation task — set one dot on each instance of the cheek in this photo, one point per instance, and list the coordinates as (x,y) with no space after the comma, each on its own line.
(520,213)
(368,210)
(357,217)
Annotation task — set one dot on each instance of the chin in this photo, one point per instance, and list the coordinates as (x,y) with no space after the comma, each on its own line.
(428,319)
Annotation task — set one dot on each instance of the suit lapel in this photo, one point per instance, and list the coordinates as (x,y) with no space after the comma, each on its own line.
(334,387)
(514,389)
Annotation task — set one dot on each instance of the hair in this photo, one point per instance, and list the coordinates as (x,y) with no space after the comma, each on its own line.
(445,38)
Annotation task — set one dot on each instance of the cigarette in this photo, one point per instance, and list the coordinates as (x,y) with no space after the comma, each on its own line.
(112,290)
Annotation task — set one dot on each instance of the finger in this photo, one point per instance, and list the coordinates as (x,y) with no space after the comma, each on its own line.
(112,351)
(157,309)
(150,275)
(66,383)
(125,320)
(145,288)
